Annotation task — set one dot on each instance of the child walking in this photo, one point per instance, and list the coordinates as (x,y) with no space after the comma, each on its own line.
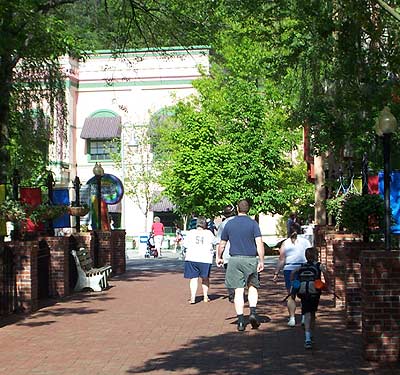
(307,284)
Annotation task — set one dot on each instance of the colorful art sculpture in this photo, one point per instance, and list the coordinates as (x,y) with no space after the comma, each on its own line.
(105,221)
(112,192)
(112,189)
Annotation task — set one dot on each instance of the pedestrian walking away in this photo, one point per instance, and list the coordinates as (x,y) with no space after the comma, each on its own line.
(307,284)
(178,238)
(199,257)
(158,231)
(229,213)
(291,221)
(246,244)
(291,255)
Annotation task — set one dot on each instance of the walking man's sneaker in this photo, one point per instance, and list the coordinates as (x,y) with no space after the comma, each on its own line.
(254,321)
(292,321)
(308,344)
(241,326)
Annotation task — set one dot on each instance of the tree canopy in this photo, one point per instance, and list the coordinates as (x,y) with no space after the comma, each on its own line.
(277,65)
(232,140)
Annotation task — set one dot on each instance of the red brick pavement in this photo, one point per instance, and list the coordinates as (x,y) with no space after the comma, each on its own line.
(144,325)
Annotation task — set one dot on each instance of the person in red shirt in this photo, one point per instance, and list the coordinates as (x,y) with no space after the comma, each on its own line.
(158,231)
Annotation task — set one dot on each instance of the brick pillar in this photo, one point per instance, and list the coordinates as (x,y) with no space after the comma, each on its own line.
(380,285)
(353,282)
(329,240)
(118,248)
(335,266)
(25,258)
(338,272)
(59,266)
(347,273)
(78,240)
(102,239)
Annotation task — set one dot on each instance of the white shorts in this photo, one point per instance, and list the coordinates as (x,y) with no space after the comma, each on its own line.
(158,240)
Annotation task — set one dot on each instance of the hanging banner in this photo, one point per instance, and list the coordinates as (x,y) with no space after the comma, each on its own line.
(61,198)
(394,198)
(32,197)
(373,185)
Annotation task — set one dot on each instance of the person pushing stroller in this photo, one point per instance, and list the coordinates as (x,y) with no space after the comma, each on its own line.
(151,250)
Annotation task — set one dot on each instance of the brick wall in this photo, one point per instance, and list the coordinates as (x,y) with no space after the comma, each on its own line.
(347,276)
(110,245)
(25,253)
(111,249)
(105,251)
(25,258)
(118,249)
(380,288)
(328,240)
(59,266)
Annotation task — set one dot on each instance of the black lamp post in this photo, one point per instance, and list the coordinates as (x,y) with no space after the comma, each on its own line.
(98,171)
(385,126)
(16,180)
(50,183)
(77,186)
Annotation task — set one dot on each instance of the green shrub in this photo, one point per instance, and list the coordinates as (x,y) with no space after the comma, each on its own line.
(358,213)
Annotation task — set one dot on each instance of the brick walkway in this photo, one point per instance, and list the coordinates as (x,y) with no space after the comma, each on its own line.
(144,325)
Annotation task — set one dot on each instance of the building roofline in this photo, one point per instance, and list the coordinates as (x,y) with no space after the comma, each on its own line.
(149,50)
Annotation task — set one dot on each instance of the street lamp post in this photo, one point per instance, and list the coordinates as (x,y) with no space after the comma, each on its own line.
(98,171)
(385,126)
(77,187)
(50,183)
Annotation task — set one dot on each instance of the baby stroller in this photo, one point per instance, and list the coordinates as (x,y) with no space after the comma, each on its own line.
(151,250)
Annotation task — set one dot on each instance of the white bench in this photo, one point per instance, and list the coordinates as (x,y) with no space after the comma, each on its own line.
(88,276)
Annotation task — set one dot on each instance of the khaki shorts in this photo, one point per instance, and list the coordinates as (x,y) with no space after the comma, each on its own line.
(242,272)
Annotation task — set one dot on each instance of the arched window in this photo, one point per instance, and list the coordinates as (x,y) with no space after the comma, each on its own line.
(101,130)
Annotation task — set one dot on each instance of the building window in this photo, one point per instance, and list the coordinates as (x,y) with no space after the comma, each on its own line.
(102,149)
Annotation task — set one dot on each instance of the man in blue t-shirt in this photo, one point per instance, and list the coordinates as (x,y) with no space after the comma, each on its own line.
(244,236)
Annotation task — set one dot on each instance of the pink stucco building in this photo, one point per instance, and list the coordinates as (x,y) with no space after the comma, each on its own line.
(111,98)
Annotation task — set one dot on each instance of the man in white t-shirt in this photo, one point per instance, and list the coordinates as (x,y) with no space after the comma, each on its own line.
(199,257)
(291,256)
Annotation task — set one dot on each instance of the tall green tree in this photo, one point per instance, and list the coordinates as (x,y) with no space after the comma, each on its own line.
(35,33)
(232,140)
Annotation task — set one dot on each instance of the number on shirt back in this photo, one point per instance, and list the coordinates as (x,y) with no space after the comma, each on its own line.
(199,240)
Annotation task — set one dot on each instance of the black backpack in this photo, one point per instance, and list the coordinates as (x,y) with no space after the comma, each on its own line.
(307,275)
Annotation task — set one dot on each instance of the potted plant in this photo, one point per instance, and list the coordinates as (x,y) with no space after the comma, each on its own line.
(78,210)
(11,210)
(45,212)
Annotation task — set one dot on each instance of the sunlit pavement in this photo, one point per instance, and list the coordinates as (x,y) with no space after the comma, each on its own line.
(143,324)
